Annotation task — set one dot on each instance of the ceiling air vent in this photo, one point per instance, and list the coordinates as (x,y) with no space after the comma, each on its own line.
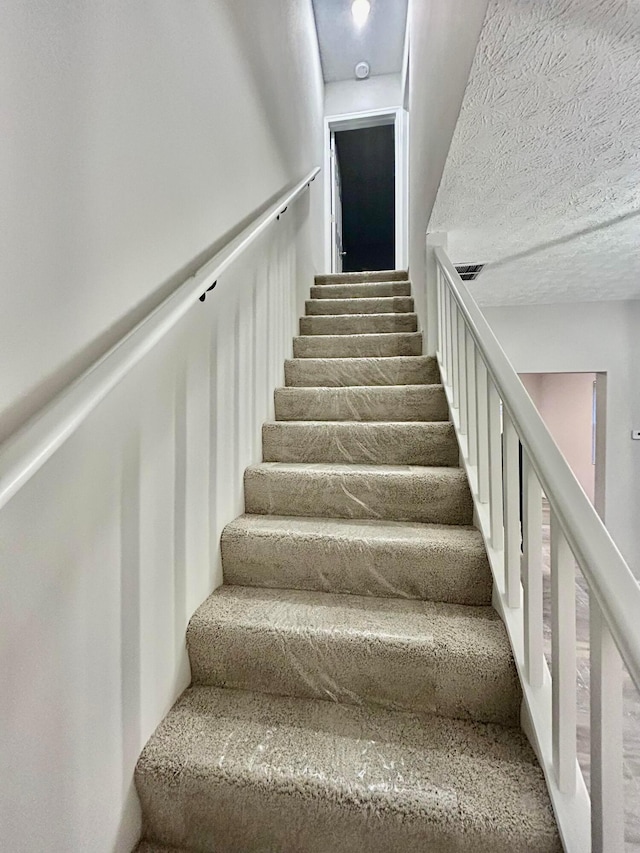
(469,272)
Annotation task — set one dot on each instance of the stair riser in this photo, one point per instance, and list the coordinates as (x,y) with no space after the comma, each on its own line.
(203,814)
(398,305)
(349,372)
(357,277)
(358,324)
(355,291)
(357,346)
(380,444)
(340,666)
(406,403)
(439,496)
(457,573)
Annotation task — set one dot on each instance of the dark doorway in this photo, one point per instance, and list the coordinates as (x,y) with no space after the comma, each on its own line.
(367,173)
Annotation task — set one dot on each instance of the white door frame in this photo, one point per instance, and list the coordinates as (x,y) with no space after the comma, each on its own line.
(399,118)
(335,209)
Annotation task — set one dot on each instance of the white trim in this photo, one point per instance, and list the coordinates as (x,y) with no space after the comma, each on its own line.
(399,118)
(402,188)
(28,449)
(405,62)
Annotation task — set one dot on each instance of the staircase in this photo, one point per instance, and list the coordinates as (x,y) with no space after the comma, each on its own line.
(353,689)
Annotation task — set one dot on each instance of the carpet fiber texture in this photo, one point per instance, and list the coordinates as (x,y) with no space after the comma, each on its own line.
(353,689)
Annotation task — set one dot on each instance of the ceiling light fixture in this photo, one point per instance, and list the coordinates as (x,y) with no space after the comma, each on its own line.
(360,10)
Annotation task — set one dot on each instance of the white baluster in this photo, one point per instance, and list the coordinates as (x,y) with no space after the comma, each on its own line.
(511,486)
(472,440)
(443,320)
(439,308)
(563,658)
(607,789)
(532,573)
(447,342)
(482,430)
(449,338)
(462,362)
(455,368)
(495,467)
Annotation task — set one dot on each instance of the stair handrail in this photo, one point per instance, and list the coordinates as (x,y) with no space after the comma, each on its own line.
(26,450)
(607,573)
(491,414)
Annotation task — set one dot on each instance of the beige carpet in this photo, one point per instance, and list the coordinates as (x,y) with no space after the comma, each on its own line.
(353,690)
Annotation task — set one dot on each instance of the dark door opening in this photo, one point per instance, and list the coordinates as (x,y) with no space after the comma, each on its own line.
(367,176)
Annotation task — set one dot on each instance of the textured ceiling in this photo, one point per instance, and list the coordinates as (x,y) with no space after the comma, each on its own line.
(342,45)
(542,181)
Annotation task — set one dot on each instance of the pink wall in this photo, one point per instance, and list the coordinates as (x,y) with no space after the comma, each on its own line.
(565,401)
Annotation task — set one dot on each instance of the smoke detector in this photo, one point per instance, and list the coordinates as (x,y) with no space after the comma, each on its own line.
(362,70)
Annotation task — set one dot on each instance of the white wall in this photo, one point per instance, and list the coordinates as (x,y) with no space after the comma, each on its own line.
(565,403)
(443,39)
(139,135)
(134,137)
(590,337)
(381,92)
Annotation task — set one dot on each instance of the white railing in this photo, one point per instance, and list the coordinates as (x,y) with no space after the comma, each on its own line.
(26,451)
(492,413)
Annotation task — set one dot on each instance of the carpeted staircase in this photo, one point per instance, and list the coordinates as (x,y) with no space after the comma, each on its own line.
(353,690)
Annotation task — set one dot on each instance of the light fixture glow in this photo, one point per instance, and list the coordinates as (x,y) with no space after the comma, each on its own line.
(360,10)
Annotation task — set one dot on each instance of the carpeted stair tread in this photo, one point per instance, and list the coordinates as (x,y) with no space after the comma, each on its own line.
(357,277)
(367,305)
(395,492)
(237,772)
(382,443)
(399,559)
(446,659)
(356,346)
(362,403)
(355,691)
(347,372)
(358,324)
(367,289)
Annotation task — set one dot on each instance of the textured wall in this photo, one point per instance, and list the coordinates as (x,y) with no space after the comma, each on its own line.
(542,176)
